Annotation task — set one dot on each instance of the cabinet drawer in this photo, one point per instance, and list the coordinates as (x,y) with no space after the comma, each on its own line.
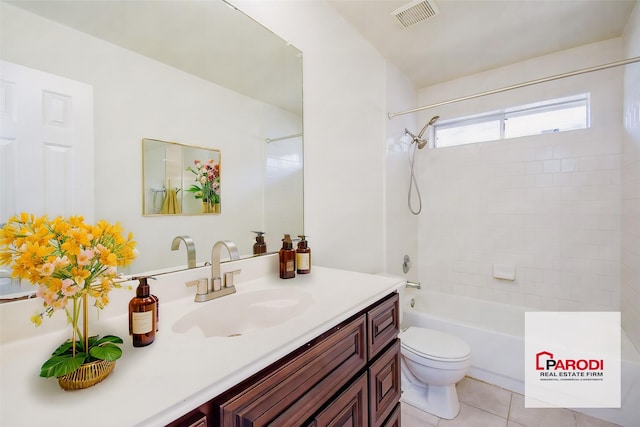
(384,323)
(384,385)
(349,409)
(282,392)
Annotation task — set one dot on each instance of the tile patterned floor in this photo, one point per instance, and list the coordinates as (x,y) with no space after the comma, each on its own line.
(485,405)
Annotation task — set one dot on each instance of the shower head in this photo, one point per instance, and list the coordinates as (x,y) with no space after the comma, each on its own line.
(418,139)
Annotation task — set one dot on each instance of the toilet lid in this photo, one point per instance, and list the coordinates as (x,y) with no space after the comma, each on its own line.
(434,344)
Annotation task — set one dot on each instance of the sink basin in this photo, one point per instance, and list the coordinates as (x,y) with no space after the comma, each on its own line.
(241,313)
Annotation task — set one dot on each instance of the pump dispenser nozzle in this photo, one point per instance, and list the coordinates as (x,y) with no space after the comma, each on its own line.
(286,242)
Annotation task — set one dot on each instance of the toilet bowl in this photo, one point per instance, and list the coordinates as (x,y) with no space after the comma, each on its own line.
(432,363)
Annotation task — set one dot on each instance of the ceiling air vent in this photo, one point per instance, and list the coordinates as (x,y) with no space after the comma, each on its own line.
(415,12)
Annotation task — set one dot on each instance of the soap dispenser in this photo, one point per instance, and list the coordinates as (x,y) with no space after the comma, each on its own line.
(259,247)
(143,315)
(303,256)
(287,259)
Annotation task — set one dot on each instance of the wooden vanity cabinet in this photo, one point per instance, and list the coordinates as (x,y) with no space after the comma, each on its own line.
(348,376)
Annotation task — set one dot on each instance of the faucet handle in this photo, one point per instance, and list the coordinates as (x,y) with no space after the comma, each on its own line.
(228,277)
(201,285)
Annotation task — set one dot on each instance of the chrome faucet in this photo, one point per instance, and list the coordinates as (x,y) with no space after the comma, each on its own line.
(191,249)
(215,259)
(217,286)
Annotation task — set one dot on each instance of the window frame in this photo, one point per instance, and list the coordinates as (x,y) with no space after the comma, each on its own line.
(502,116)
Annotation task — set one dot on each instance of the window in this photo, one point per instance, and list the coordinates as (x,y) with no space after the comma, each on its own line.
(556,115)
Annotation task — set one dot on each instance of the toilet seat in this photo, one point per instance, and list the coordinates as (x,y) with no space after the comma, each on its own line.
(434,345)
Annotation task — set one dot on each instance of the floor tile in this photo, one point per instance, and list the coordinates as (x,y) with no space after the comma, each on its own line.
(473,417)
(583,420)
(483,405)
(539,417)
(413,417)
(484,396)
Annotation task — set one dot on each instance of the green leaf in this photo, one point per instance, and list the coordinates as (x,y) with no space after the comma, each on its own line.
(58,366)
(106,351)
(64,348)
(109,338)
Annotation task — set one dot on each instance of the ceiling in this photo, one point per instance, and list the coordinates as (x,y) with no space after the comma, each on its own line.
(472,36)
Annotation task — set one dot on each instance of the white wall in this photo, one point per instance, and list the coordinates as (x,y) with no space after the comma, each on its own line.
(344,116)
(135,98)
(549,205)
(400,224)
(630,292)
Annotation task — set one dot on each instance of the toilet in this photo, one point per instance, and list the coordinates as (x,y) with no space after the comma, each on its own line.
(432,362)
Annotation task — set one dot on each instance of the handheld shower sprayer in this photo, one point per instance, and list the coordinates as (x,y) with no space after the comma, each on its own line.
(418,138)
(420,143)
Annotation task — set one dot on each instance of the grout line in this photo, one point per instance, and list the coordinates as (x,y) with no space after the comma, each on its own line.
(509,411)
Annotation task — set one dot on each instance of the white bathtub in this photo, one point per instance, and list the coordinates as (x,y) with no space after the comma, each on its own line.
(495,333)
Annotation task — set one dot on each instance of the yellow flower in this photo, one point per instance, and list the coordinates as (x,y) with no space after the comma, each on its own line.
(79,275)
(37,319)
(47,269)
(66,258)
(85,257)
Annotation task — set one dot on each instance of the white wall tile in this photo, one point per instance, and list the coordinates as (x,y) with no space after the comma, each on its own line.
(548,204)
(629,291)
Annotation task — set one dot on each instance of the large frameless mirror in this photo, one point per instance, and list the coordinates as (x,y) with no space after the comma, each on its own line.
(212,77)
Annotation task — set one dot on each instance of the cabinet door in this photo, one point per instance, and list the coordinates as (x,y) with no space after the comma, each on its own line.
(293,390)
(193,419)
(383,325)
(384,385)
(349,409)
(394,419)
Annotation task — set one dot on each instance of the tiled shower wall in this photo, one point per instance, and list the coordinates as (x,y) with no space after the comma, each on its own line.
(547,206)
(630,288)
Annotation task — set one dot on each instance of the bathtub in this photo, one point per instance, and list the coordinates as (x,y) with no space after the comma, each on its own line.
(495,333)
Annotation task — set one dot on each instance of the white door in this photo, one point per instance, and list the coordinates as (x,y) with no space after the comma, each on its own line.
(46,144)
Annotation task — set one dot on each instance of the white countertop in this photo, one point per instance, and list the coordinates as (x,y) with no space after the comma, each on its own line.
(151,386)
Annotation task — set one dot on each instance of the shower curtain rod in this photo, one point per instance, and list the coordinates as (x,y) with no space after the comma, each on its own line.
(519,85)
(295,135)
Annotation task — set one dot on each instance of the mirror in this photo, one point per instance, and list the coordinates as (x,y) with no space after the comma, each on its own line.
(190,71)
(179,179)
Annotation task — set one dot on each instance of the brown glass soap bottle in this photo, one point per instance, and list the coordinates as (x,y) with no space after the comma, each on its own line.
(259,247)
(142,315)
(287,259)
(303,256)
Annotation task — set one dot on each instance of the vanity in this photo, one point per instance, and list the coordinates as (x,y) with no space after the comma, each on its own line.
(347,376)
(320,349)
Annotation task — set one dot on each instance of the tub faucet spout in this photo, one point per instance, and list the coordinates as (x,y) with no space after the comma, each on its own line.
(191,249)
(414,285)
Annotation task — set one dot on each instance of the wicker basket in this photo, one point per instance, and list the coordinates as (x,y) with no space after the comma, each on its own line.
(87,375)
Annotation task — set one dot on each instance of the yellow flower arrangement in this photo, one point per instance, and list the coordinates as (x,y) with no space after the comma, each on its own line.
(69,261)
